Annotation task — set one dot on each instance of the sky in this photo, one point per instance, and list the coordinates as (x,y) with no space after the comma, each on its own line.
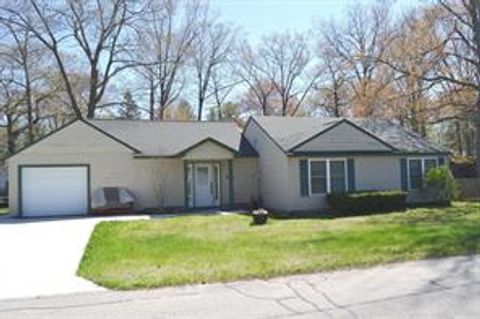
(258,17)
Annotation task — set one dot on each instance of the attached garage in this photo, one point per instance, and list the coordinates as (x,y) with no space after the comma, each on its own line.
(59,174)
(53,190)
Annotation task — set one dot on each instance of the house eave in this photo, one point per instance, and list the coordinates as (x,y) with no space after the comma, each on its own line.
(365,153)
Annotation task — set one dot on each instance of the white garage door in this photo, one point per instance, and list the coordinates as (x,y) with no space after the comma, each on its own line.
(54,191)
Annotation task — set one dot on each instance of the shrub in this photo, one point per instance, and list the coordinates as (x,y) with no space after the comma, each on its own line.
(440,185)
(364,203)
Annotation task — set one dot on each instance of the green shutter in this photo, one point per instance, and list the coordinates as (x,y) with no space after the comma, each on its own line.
(351,174)
(230,183)
(441,161)
(185,182)
(303,178)
(404,174)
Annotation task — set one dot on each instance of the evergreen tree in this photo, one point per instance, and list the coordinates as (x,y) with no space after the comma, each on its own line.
(129,108)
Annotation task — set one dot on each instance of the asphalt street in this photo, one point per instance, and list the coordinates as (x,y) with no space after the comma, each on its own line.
(441,288)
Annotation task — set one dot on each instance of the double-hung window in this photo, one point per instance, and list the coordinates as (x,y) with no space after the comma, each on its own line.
(318,177)
(327,176)
(417,169)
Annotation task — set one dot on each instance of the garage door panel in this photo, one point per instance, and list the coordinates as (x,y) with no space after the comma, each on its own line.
(53,191)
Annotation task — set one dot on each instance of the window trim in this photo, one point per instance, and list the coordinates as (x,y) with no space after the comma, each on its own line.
(327,168)
(422,161)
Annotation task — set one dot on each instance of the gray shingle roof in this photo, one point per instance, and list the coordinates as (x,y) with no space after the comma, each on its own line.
(288,132)
(169,139)
(402,139)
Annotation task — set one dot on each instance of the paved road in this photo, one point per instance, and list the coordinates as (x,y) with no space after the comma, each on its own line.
(444,288)
(41,256)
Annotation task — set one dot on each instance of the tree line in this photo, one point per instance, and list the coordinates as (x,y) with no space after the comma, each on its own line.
(177,59)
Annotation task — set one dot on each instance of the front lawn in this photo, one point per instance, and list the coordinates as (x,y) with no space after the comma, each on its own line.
(198,249)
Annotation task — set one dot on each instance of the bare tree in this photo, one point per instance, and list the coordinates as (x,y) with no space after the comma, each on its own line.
(224,81)
(30,73)
(212,49)
(285,61)
(460,66)
(360,43)
(414,50)
(259,90)
(97,28)
(165,38)
(11,112)
(25,81)
(331,90)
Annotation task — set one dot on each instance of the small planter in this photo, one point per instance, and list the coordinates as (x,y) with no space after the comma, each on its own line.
(260,216)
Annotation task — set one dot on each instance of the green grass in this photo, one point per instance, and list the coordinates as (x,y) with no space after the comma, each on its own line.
(196,249)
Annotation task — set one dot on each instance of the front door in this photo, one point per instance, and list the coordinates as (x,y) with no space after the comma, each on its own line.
(206,184)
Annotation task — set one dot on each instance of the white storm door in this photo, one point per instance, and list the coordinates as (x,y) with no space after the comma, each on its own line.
(203,179)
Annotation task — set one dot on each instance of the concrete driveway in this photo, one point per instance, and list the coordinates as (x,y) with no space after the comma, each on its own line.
(40,257)
(443,288)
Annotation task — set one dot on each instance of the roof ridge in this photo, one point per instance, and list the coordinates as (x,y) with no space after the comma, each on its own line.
(157,121)
(299,117)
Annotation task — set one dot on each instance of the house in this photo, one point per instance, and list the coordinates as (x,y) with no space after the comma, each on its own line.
(303,158)
(287,164)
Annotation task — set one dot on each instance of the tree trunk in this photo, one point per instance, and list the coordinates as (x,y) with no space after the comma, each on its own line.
(92,97)
(477,134)
(264,106)
(336,100)
(10,136)
(151,109)
(284,106)
(161,111)
(28,94)
(200,108)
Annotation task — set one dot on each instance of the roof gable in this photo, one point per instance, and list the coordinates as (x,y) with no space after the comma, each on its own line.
(291,134)
(208,149)
(288,132)
(75,135)
(171,139)
(342,137)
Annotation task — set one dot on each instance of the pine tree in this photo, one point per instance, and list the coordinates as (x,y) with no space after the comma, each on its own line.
(129,108)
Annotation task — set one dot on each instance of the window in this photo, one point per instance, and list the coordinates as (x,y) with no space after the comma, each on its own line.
(417,169)
(327,176)
(415,172)
(318,177)
(337,176)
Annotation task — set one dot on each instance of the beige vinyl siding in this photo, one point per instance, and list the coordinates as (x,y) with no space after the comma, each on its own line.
(272,167)
(208,151)
(313,202)
(111,164)
(245,181)
(155,182)
(371,173)
(343,137)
